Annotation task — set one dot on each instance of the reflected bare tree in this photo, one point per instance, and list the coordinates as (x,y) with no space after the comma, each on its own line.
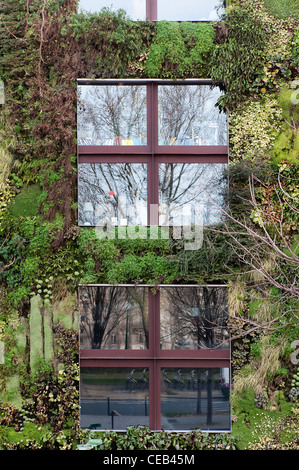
(194,318)
(112,190)
(112,113)
(110,315)
(194,184)
(188,116)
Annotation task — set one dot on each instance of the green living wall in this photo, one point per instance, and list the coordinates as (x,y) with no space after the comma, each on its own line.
(253,52)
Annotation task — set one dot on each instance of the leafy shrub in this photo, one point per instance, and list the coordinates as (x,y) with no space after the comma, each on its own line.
(239,56)
(180,50)
(254,126)
(286,145)
(26,203)
(141,438)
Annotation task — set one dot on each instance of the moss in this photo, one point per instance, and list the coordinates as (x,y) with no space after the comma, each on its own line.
(286,145)
(250,422)
(282,8)
(26,203)
(31,436)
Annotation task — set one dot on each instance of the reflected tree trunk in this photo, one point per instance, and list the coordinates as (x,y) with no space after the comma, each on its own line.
(209,398)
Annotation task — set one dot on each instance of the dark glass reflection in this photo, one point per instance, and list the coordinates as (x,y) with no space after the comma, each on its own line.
(114,398)
(113,317)
(112,115)
(195,399)
(194,318)
(188,115)
(189,10)
(112,193)
(191,193)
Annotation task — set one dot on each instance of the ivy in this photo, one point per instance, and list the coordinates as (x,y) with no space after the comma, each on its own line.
(141,438)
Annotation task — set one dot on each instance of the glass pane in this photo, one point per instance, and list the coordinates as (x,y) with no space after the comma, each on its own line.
(135,9)
(188,115)
(195,399)
(114,398)
(112,194)
(189,10)
(112,115)
(113,317)
(193,318)
(191,193)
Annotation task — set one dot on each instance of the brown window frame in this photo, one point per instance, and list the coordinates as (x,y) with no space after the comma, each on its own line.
(152,153)
(152,147)
(151,12)
(154,358)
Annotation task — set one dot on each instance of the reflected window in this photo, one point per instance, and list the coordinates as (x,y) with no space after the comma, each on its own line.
(112,115)
(188,115)
(142,351)
(194,318)
(189,10)
(114,398)
(195,399)
(113,317)
(191,193)
(112,194)
(135,9)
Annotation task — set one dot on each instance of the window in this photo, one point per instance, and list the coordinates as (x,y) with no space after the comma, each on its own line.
(190,10)
(151,153)
(156,359)
(112,115)
(135,9)
(110,313)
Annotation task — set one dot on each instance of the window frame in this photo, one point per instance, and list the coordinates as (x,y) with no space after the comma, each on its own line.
(152,146)
(151,13)
(155,358)
(152,154)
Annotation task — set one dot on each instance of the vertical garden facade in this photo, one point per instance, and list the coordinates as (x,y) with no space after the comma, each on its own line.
(153,162)
(149,224)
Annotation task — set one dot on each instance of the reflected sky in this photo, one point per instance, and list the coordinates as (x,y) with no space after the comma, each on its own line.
(113,194)
(191,193)
(135,9)
(112,115)
(188,115)
(189,10)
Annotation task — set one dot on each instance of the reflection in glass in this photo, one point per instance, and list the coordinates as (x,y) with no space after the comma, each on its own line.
(194,318)
(112,194)
(114,398)
(195,399)
(191,193)
(188,115)
(113,317)
(189,10)
(135,9)
(112,115)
